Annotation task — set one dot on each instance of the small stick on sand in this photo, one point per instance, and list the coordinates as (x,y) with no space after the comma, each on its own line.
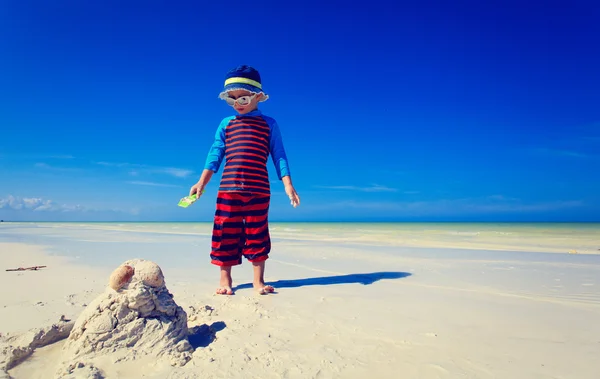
(32,268)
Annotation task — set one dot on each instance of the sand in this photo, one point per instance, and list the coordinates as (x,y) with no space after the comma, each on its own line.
(342,309)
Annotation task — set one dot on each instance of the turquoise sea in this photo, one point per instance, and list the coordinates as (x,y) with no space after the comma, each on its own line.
(573,238)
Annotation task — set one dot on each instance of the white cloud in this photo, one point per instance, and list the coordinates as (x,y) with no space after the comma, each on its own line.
(16,208)
(46,166)
(176,172)
(138,169)
(524,207)
(152,184)
(27,156)
(35,204)
(109,164)
(371,188)
(560,153)
(489,205)
(66,156)
(501,198)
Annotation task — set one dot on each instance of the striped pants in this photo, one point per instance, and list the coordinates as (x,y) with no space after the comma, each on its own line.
(240,228)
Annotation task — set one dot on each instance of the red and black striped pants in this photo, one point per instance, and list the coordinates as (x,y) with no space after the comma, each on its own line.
(240,228)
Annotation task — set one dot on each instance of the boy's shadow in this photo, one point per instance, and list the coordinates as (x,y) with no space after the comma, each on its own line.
(364,279)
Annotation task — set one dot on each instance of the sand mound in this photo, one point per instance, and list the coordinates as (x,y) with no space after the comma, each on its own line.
(14,349)
(136,316)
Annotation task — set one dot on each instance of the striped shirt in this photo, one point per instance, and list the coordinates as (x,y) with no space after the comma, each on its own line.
(245,142)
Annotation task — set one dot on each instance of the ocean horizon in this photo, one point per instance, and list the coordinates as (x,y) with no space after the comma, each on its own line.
(500,222)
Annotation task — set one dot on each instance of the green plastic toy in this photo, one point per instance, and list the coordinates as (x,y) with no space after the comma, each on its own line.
(188,200)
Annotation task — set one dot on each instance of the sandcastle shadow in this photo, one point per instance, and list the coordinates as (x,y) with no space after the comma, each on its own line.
(364,279)
(204,335)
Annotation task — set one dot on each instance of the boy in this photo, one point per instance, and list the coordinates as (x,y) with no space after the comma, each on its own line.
(245,141)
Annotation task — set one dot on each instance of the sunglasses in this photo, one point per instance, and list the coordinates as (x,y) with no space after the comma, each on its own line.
(243,100)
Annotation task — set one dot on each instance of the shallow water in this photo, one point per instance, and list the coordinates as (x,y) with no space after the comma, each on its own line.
(574,238)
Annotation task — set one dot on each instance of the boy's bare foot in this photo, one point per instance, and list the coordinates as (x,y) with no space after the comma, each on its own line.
(259,279)
(225,282)
(225,290)
(263,289)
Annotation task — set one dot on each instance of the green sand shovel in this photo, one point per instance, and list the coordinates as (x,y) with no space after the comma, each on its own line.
(188,200)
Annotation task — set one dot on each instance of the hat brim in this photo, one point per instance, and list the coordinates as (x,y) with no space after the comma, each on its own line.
(242,86)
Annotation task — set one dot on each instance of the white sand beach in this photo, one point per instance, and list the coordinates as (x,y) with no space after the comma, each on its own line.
(351,301)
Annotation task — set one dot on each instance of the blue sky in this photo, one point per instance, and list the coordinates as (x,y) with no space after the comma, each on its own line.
(438,111)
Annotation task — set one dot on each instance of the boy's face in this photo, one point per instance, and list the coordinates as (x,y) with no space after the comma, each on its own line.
(247,106)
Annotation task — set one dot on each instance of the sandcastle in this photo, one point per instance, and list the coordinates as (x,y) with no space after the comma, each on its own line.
(135,316)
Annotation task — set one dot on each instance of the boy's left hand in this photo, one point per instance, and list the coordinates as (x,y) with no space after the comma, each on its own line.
(293,195)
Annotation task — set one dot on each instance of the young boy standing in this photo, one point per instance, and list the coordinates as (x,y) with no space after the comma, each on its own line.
(245,141)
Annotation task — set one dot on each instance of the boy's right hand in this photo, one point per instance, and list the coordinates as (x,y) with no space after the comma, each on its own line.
(196,189)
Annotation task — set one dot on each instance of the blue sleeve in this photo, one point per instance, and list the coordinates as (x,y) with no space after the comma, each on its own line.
(217,150)
(277,150)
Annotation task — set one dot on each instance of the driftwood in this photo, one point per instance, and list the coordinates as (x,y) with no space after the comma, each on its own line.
(32,268)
